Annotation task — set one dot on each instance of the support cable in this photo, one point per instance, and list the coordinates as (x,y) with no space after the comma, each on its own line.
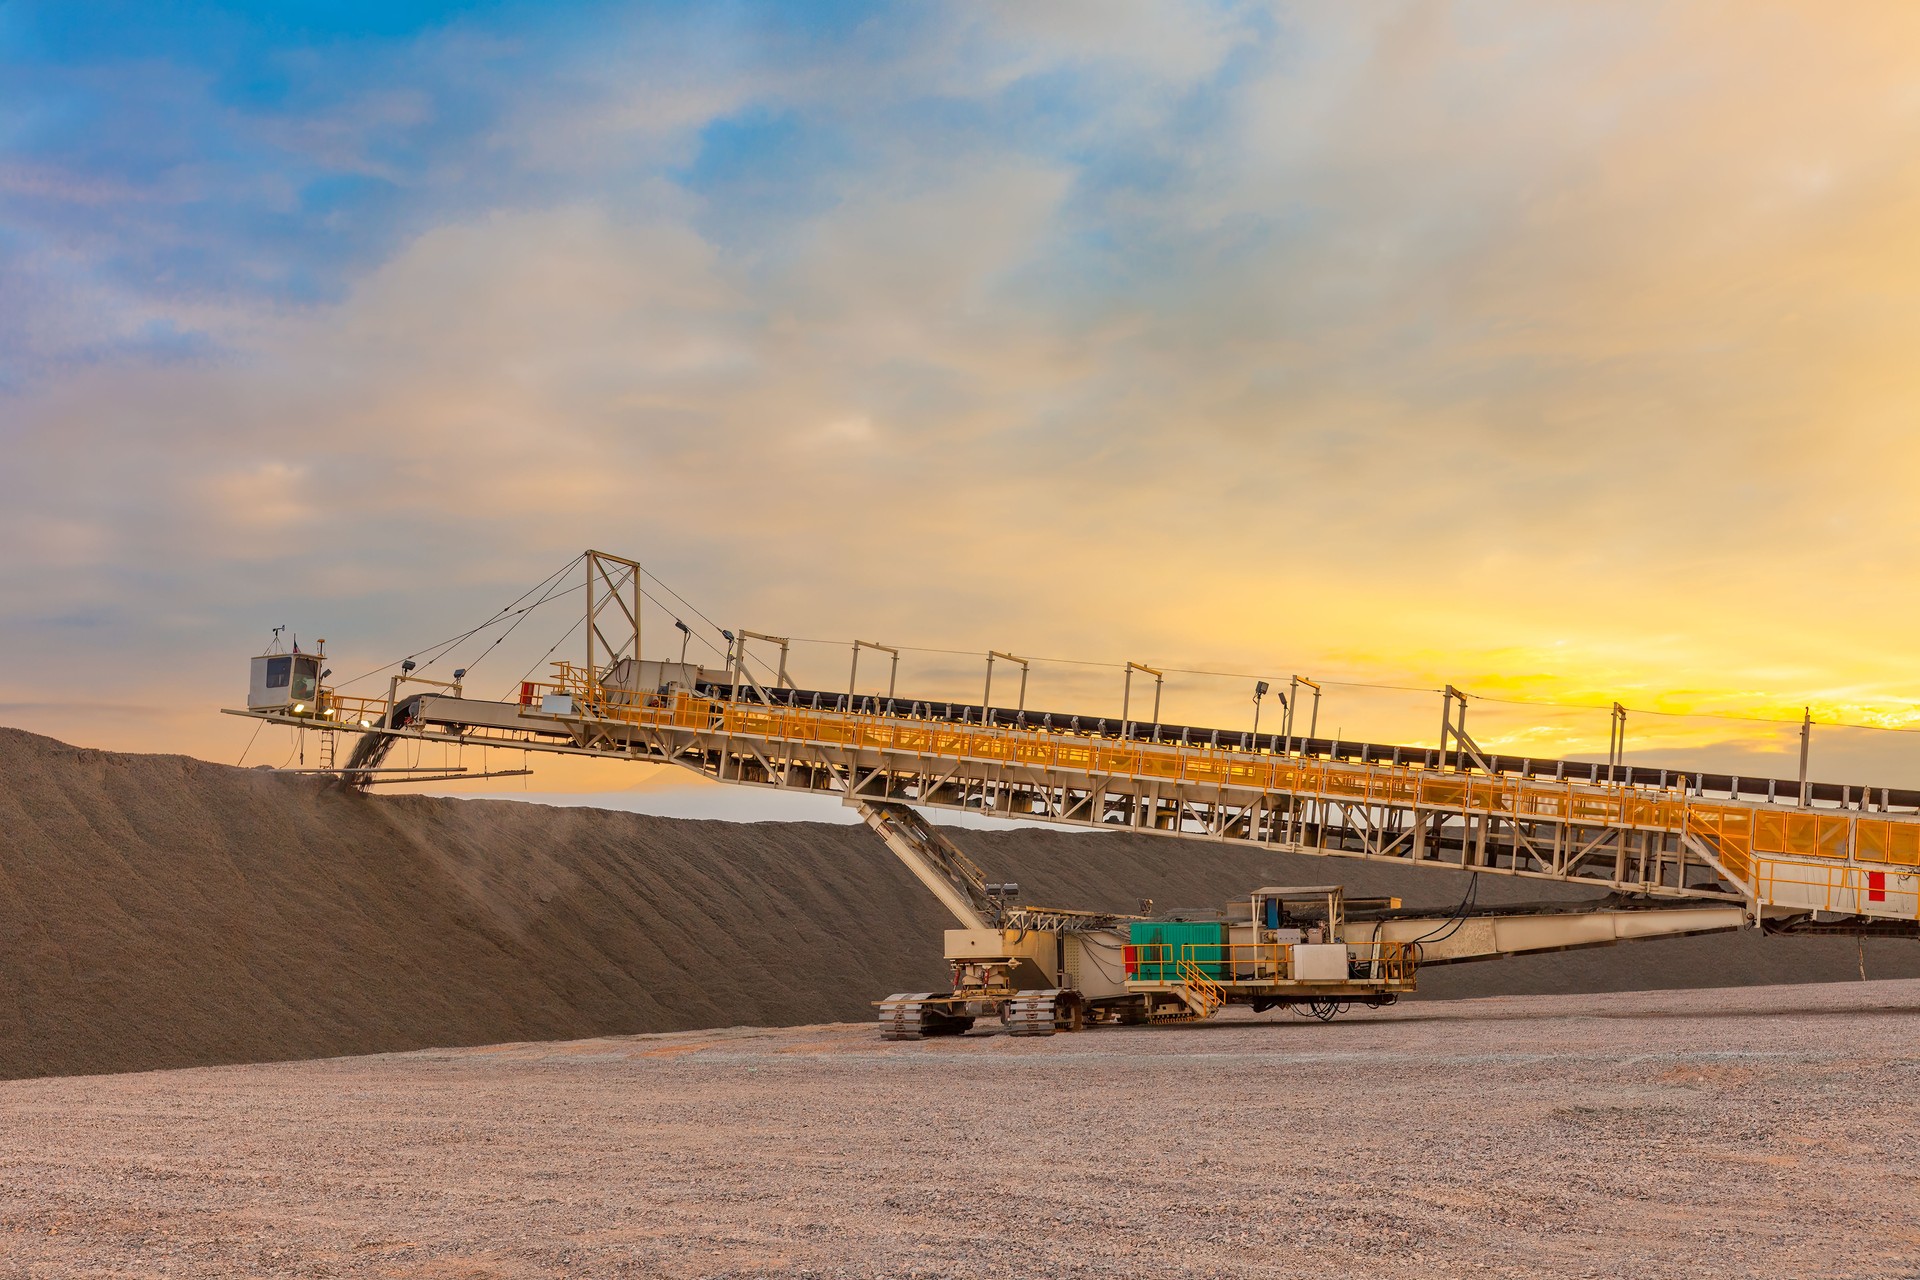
(1121,666)
(691,607)
(1244,675)
(1691,715)
(650,597)
(250,741)
(523,615)
(657,603)
(444,645)
(578,622)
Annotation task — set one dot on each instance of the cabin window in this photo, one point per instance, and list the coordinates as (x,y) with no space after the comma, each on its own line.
(279,671)
(306,676)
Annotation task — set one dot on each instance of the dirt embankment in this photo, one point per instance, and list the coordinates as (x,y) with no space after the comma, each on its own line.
(158,911)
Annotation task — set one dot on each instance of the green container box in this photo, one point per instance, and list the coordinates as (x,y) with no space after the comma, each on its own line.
(1208,938)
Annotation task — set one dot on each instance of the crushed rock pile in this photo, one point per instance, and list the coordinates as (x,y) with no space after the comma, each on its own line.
(160,911)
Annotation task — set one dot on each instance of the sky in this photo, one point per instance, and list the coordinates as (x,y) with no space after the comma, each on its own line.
(1562,353)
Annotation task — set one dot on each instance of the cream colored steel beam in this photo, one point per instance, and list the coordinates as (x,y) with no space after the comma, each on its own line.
(1632,840)
(934,860)
(1444,939)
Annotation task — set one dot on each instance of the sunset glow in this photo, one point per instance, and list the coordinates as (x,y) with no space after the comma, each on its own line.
(1563,355)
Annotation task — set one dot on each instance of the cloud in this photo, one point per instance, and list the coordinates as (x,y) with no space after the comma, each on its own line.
(1394,343)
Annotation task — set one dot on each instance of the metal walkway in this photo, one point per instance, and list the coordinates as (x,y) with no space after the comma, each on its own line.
(1655,833)
(1645,839)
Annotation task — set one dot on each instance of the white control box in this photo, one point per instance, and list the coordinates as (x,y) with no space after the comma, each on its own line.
(1326,962)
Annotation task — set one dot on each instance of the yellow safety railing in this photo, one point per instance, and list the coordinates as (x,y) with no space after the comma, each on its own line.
(1838,887)
(1880,840)
(1389,961)
(1236,963)
(351,712)
(1728,835)
(1736,832)
(1740,834)
(1208,992)
(331,710)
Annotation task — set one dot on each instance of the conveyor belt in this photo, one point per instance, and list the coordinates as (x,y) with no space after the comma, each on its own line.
(1631,829)
(1732,786)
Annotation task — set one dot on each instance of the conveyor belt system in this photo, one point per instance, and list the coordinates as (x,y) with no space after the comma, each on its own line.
(1731,786)
(1788,854)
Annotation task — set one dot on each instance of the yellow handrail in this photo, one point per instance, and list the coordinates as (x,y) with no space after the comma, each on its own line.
(1258,962)
(1208,991)
(1740,831)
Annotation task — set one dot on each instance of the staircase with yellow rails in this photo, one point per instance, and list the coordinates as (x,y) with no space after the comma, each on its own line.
(1200,996)
(1202,993)
(1725,838)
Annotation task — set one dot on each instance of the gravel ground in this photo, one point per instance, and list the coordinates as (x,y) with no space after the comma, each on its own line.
(1761,1131)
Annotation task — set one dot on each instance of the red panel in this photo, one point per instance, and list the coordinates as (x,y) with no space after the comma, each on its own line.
(1876,886)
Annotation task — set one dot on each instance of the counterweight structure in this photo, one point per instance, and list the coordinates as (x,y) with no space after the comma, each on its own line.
(1676,852)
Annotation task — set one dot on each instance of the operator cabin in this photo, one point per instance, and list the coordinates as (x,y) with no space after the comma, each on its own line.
(287,682)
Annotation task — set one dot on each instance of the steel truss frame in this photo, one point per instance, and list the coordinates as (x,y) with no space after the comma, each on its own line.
(1624,857)
(1651,841)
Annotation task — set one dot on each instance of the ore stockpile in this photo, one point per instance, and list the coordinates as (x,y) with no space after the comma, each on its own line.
(160,911)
